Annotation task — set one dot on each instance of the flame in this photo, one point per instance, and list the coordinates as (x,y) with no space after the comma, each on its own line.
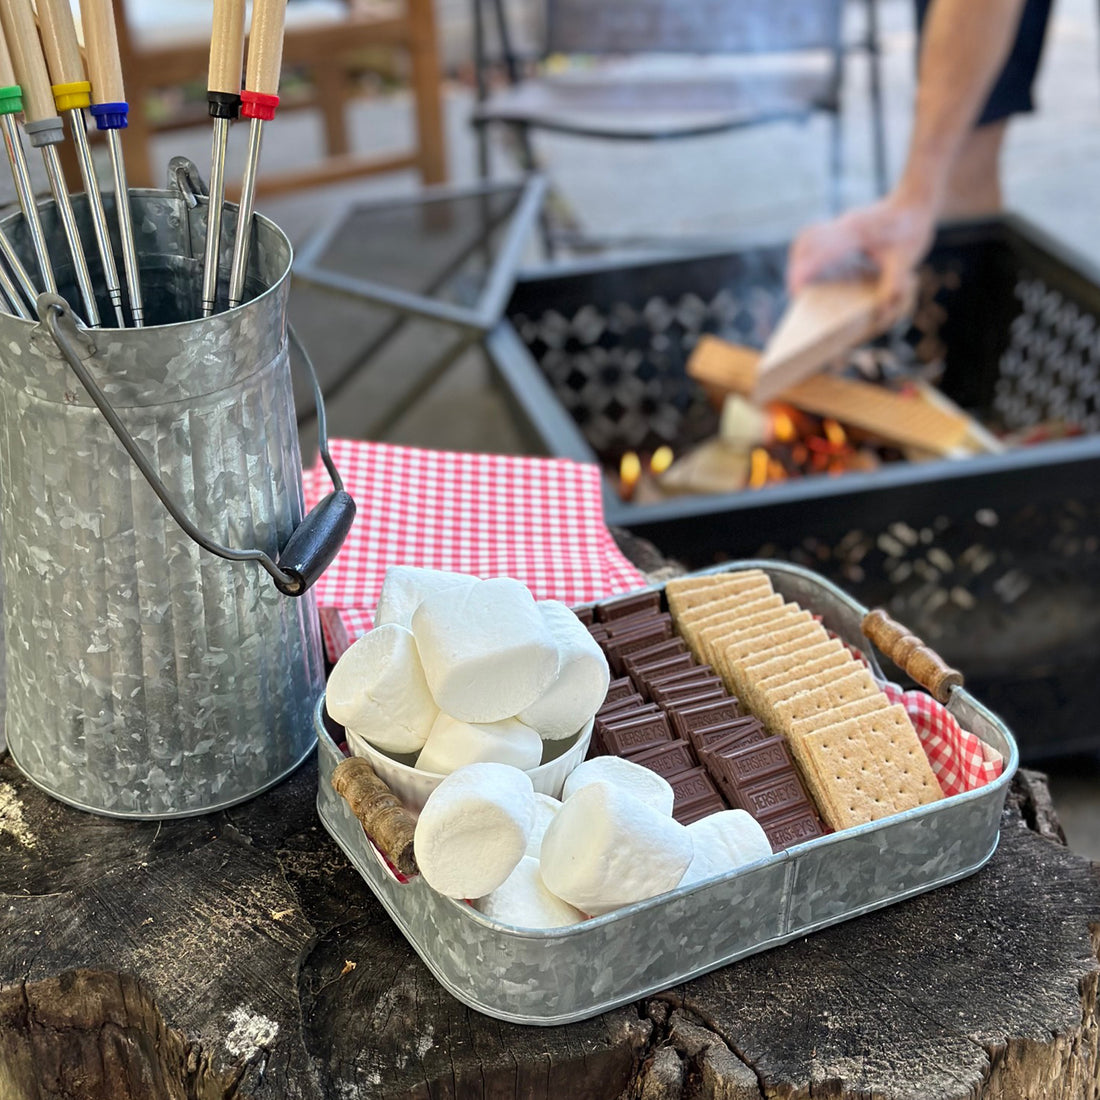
(758,468)
(783,428)
(630,469)
(661,460)
(834,433)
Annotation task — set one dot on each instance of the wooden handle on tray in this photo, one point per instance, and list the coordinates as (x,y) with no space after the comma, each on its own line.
(911,655)
(388,823)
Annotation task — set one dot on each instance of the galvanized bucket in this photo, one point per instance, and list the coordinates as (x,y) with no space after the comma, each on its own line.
(146,677)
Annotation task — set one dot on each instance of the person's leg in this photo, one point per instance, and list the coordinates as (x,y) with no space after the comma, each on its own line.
(974,187)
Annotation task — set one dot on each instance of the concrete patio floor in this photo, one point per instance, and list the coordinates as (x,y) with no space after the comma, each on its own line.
(760,185)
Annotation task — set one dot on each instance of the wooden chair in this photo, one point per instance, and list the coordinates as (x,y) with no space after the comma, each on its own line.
(323,38)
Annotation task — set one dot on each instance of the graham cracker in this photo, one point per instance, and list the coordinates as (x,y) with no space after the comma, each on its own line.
(685,592)
(829,693)
(767,693)
(799,727)
(719,601)
(794,628)
(767,664)
(758,626)
(904,767)
(848,785)
(748,615)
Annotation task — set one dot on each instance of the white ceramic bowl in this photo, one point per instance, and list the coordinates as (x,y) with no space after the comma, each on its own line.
(413,786)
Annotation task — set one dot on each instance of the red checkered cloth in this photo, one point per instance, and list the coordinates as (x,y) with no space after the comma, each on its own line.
(960,760)
(539,520)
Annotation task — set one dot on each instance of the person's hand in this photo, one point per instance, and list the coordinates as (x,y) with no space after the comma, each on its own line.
(893,234)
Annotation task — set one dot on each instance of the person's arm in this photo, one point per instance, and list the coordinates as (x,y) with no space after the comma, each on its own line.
(965,44)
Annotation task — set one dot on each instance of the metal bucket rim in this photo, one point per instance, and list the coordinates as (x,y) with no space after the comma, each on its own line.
(129,332)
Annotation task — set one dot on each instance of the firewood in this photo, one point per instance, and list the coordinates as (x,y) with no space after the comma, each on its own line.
(386,821)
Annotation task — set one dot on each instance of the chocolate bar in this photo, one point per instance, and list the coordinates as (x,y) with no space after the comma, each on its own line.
(791,829)
(618,689)
(619,627)
(626,702)
(687,718)
(620,738)
(655,670)
(749,765)
(665,758)
(585,614)
(650,600)
(619,647)
(669,649)
(695,795)
(696,696)
(728,736)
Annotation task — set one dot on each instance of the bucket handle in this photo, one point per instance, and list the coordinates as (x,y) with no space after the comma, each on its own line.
(313,543)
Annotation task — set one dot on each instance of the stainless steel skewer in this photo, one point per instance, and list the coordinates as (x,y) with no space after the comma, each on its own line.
(224,100)
(45,129)
(259,100)
(72,94)
(11,102)
(109,109)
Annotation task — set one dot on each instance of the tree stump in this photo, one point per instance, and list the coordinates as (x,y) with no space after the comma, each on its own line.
(240,956)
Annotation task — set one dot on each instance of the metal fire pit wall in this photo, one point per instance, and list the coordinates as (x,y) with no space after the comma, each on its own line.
(992,560)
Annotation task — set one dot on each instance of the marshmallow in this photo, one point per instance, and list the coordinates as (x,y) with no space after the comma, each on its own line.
(523,899)
(653,789)
(606,848)
(723,842)
(473,829)
(579,688)
(486,652)
(452,744)
(405,586)
(378,691)
(545,809)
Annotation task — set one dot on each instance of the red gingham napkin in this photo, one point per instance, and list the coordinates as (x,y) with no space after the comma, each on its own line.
(539,520)
(960,760)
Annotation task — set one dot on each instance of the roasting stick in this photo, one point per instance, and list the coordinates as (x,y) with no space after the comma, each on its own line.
(223,96)
(109,108)
(258,103)
(45,129)
(11,103)
(71,94)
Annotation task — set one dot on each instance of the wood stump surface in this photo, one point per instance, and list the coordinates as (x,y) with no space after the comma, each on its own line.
(239,956)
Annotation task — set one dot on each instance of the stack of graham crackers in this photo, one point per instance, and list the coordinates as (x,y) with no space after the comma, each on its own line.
(859,756)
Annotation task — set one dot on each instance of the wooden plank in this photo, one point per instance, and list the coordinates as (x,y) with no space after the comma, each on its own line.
(822,322)
(909,421)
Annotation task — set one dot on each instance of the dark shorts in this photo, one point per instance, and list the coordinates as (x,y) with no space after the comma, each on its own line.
(1011,93)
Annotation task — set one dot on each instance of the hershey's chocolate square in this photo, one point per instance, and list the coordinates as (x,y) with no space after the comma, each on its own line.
(688,718)
(666,758)
(585,614)
(793,828)
(699,808)
(616,628)
(629,605)
(750,764)
(729,736)
(773,797)
(618,689)
(647,673)
(621,737)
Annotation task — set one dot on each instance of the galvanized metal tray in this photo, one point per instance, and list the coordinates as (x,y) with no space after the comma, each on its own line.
(555,976)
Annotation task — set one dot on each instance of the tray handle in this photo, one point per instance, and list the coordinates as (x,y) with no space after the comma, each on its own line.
(911,655)
(386,821)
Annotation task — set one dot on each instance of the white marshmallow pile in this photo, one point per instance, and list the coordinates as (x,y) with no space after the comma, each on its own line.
(554,863)
(467,671)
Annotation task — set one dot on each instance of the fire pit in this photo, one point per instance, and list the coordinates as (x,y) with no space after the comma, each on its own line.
(993,559)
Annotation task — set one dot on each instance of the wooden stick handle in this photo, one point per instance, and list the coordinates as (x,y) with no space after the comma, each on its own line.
(911,655)
(386,821)
(265,46)
(55,20)
(226,47)
(101,42)
(7,70)
(27,59)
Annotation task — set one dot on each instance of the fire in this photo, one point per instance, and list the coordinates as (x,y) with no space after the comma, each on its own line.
(661,460)
(783,428)
(758,468)
(834,433)
(630,470)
